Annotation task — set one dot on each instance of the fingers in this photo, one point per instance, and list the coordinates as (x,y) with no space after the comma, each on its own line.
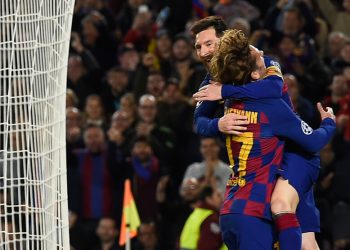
(200,96)
(329,110)
(236,117)
(320,108)
(202,88)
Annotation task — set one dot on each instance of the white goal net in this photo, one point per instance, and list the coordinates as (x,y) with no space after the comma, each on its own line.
(34,42)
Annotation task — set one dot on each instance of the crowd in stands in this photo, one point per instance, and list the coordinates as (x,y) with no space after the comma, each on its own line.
(132,71)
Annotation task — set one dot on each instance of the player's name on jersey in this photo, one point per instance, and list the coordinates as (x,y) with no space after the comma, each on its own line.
(252,116)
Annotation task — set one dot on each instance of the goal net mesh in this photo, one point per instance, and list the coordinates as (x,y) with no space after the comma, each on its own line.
(34,43)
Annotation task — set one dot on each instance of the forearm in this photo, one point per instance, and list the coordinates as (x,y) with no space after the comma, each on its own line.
(204,122)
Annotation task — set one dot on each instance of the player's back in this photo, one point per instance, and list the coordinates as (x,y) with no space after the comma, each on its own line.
(255,156)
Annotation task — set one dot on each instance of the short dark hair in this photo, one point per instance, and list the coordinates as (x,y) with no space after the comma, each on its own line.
(141,139)
(206,192)
(215,22)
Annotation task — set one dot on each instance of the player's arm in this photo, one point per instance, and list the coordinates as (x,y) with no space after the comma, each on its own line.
(206,125)
(204,122)
(285,123)
(269,87)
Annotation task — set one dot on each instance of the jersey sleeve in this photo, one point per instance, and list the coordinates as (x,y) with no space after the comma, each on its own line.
(204,122)
(284,122)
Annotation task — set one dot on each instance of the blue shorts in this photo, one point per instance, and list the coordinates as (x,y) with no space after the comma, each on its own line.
(308,214)
(302,171)
(244,232)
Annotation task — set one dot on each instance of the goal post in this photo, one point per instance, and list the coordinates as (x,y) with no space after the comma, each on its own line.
(34,44)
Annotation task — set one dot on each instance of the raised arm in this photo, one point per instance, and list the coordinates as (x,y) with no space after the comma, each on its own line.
(285,123)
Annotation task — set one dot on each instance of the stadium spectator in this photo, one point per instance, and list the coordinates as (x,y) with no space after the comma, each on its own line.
(202,230)
(147,237)
(211,171)
(336,18)
(108,233)
(147,169)
(301,105)
(116,86)
(162,138)
(94,111)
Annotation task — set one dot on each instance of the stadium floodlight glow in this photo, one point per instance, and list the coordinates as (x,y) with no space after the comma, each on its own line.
(34,43)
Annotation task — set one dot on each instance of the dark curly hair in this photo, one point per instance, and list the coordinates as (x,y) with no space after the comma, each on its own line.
(232,61)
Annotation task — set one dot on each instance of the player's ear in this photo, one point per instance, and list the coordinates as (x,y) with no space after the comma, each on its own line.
(255,75)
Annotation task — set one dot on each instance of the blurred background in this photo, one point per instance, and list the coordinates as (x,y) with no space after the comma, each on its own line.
(131,76)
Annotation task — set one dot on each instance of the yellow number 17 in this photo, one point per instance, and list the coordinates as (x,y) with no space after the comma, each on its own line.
(246,138)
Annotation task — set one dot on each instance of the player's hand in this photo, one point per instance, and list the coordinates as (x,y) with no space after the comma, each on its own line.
(210,92)
(233,124)
(328,113)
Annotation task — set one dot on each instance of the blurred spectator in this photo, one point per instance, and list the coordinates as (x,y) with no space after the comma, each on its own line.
(71,99)
(117,85)
(229,9)
(211,171)
(162,138)
(297,21)
(336,41)
(341,211)
(344,60)
(147,171)
(122,127)
(185,68)
(174,211)
(128,13)
(155,84)
(93,180)
(340,226)
(147,238)
(202,229)
(240,23)
(324,195)
(98,39)
(301,105)
(83,71)
(143,29)
(337,19)
(338,90)
(107,232)
(94,112)
(102,7)
(128,59)
(174,110)
(74,124)
(298,57)
(128,104)
(162,50)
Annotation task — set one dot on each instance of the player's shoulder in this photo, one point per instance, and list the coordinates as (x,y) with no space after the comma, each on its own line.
(273,68)
(205,81)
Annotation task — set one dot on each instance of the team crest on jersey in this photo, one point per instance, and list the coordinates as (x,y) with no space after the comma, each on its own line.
(306,128)
(274,63)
